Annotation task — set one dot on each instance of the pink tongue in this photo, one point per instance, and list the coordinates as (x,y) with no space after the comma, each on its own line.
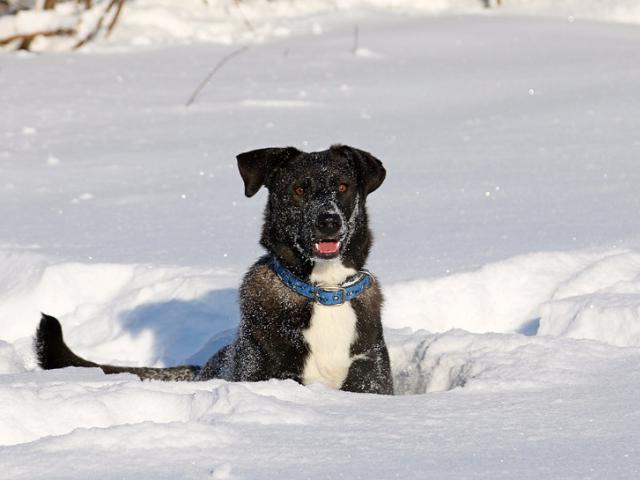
(327,247)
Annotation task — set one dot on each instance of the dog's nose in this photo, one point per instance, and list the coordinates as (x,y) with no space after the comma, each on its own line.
(328,223)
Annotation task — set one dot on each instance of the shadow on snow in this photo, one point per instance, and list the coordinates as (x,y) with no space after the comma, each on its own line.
(187,331)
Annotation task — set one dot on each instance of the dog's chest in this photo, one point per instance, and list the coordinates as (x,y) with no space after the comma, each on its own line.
(331,332)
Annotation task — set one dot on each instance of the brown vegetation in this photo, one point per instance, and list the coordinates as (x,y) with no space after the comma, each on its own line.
(24,40)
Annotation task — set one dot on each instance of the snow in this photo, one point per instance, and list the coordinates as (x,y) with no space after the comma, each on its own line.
(583,294)
(563,420)
(159,23)
(506,243)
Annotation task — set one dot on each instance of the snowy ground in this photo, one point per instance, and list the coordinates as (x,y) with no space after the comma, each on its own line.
(509,215)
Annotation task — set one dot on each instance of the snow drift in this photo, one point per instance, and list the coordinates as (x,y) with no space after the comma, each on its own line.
(587,294)
(159,316)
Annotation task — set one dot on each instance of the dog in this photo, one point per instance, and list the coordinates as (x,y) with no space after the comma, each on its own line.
(309,310)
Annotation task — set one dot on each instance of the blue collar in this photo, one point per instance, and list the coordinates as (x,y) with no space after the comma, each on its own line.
(323,295)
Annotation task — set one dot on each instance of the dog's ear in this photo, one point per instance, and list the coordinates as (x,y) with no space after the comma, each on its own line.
(256,165)
(370,168)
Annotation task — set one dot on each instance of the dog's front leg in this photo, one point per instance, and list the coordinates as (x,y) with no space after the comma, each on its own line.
(249,362)
(371,374)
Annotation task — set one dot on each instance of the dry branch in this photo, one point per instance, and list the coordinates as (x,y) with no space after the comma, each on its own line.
(115,6)
(98,26)
(356,39)
(27,38)
(213,71)
(114,20)
(246,21)
(112,11)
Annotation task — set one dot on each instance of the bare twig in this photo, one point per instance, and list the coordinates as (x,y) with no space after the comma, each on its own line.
(356,39)
(114,20)
(244,16)
(213,71)
(27,38)
(95,31)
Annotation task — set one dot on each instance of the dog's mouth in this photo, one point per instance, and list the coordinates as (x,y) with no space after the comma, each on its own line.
(326,248)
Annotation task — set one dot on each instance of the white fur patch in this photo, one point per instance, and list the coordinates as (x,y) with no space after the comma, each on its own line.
(331,332)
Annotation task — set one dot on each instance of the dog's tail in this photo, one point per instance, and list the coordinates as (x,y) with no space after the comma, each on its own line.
(52,352)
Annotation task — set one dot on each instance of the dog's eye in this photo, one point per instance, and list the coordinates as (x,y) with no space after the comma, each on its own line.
(343,187)
(298,191)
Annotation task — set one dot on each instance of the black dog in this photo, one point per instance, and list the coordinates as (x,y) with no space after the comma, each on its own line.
(309,312)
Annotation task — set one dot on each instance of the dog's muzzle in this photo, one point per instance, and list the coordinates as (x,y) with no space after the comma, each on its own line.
(327,227)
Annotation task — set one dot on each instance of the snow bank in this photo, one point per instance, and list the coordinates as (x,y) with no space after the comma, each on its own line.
(575,294)
(162,22)
(624,11)
(86,398)
(157,22)
(601,302)
(135,314)
(116,313)
(424,362)
(499,297)
(170,430)
(225,21)
(27,21)
(144,315)
(10,361)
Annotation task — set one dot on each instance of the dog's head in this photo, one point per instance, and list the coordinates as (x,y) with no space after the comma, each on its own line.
(316,206)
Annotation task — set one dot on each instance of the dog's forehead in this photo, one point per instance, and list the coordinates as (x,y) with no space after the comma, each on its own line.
(324,164)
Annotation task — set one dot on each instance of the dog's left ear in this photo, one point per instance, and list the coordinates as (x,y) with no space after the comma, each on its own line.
(371,170)
(256,165)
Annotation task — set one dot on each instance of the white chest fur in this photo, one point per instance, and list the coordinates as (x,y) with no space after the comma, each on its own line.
(331,332)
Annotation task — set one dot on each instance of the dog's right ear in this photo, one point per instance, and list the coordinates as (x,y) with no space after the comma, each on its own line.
(256,165)
(371,169)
